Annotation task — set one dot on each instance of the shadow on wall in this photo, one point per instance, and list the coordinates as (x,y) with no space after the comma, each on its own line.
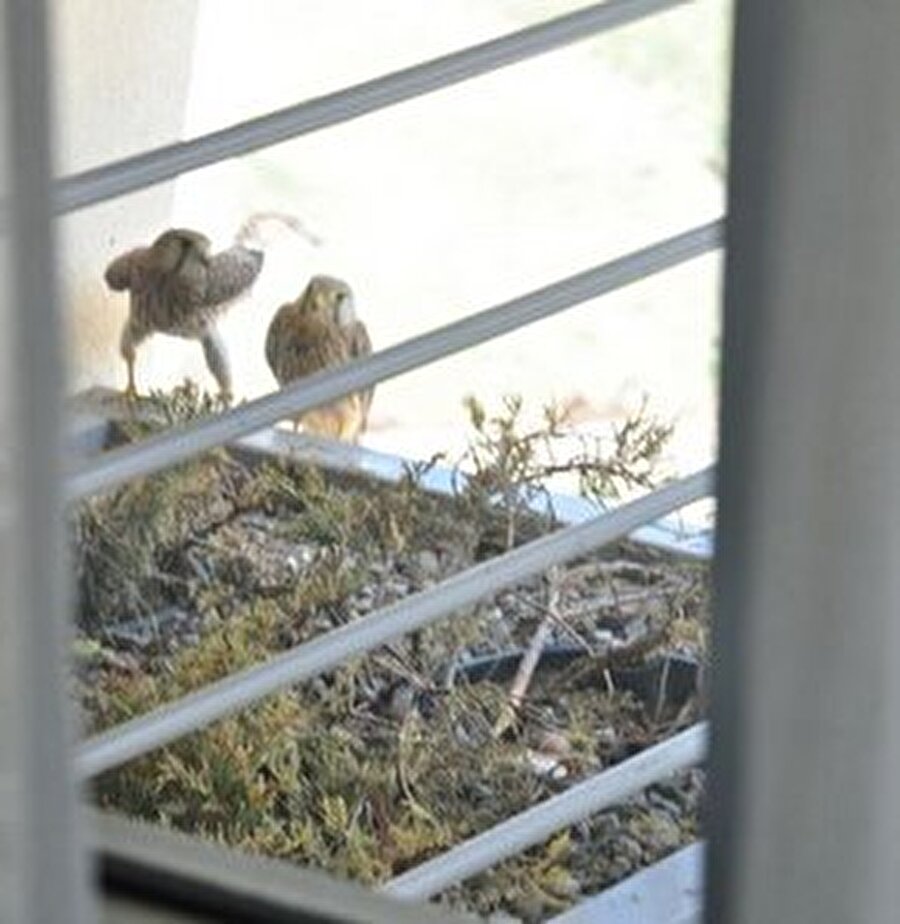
(96,317)
(95,321)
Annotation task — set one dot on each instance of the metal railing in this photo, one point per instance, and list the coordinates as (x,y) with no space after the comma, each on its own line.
(157,452)
(326,652)
(543,820)
(134,173)
(197,710)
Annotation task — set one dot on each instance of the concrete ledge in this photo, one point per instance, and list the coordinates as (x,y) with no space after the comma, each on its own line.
(94,409)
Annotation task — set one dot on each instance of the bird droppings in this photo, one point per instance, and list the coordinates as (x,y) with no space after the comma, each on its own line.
(213,566)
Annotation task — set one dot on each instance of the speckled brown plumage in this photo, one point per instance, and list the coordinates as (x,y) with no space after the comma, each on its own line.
(177,287)
(318,331)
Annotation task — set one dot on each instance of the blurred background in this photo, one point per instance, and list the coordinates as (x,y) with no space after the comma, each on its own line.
(430,210)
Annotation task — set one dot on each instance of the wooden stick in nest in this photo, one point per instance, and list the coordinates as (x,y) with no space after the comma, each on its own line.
(532,655)
(558,621)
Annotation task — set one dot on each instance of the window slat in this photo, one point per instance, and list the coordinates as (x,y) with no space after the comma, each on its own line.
(153,454)
(199,709)
(134,173)
(538,823)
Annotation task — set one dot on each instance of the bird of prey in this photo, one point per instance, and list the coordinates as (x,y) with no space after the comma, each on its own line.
(178,287)
(319,331)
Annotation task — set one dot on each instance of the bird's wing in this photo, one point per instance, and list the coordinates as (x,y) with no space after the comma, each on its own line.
(305,358)
(125,272)
(231,273)
(277,330)
(358,340)
(360,344)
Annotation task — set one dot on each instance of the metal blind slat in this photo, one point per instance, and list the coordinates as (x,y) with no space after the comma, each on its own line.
(537,824)
(153,454)
(134,173)
(166,724)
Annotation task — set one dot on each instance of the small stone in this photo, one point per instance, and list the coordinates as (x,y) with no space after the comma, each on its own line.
(564,885)
(428,564)
(397,701)
(554,743)
(604,637)
(545,765)
(607,737)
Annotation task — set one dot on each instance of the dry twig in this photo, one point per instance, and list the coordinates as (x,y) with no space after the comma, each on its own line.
(532,655)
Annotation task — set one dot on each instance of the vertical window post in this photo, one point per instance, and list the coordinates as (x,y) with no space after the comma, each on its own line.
(39,848)
(806,725)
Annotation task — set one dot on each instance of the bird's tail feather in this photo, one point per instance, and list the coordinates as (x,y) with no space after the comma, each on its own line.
(249,232)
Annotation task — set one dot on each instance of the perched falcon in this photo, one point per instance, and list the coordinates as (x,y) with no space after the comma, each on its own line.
(318,331)
(178,287)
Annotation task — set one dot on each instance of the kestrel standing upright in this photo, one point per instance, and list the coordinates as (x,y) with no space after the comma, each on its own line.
(320,330)
(178,287)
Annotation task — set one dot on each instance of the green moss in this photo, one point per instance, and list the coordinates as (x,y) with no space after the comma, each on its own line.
(318,774)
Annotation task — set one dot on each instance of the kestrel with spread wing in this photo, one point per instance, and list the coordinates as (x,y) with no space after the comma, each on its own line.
(178,287)
(320,330)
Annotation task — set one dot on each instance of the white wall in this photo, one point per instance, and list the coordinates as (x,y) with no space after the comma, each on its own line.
(122,75)
(431,209)
(465,197)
